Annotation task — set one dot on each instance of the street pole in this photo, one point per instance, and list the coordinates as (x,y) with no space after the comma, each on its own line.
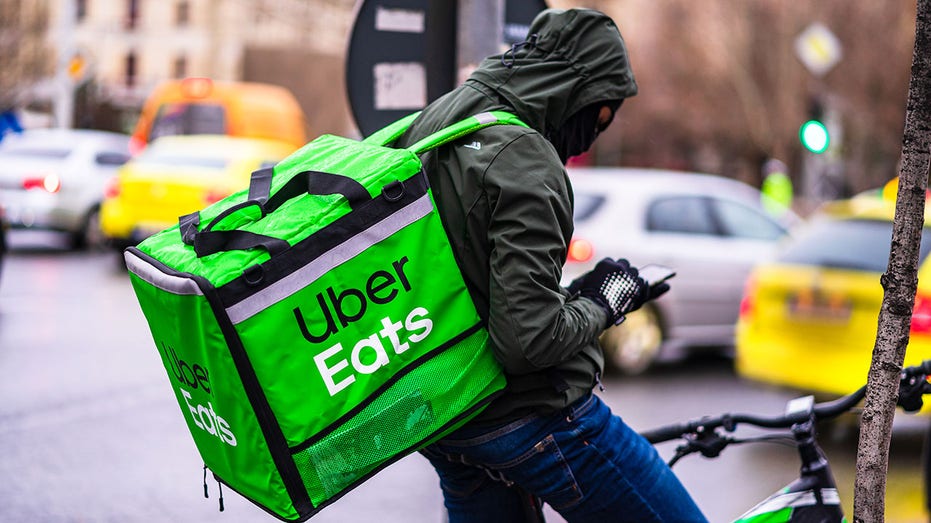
(64,85)
(481,27)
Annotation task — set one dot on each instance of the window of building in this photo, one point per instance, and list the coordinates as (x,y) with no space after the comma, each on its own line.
(132,14)
(81,10)
(131,67)
(182,13)
(179,68)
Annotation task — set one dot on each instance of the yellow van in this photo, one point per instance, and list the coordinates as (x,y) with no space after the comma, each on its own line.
(204,106)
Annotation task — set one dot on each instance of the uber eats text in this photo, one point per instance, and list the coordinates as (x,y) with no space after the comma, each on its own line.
(339,308)
(196,376)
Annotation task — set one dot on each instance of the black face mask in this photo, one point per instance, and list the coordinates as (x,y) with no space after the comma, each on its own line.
(579,132)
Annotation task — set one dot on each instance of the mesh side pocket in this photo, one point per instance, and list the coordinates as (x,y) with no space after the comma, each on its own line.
(409,412)
(340,458)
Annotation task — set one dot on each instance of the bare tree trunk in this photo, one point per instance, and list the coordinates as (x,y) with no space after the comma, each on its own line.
(899,283)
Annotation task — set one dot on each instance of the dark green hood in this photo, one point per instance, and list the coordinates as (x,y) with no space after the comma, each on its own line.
(572,58)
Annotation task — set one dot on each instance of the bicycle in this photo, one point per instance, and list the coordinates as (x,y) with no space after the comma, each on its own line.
(813,496)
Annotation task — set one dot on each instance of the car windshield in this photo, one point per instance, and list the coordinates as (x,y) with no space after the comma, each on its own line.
(585,205)
(706,215)
(847,244)
(185,119)
(741,221)
(156,156)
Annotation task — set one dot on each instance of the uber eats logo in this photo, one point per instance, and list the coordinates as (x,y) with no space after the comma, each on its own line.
(197,377)
(337,309)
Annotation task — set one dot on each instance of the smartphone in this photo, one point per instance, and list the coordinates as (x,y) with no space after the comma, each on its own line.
(654,274)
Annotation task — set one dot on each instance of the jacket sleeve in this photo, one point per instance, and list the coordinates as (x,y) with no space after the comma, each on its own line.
(532,322)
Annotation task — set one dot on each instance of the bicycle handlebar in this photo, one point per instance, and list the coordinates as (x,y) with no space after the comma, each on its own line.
(821,411)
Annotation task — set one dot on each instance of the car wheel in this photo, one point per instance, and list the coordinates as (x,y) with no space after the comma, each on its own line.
(90,236)
(633,346)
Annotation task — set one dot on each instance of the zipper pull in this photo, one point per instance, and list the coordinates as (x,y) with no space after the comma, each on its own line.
(205,481)
(598,381)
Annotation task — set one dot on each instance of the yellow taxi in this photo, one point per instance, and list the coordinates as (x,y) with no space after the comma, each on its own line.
(808,319)
(177,175)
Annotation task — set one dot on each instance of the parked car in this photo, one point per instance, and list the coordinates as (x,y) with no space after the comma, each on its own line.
(808,318)
(177,175)
(53,179)
(711,230)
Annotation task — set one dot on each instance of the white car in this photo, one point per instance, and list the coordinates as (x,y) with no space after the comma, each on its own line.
(54,179)
(709,229)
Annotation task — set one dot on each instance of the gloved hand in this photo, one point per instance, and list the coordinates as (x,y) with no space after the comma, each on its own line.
(617,287)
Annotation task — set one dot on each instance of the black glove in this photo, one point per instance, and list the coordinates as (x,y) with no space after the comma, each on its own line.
(617,287)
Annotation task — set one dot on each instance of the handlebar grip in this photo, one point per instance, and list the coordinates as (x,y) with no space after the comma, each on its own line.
(822,411)
(669,432)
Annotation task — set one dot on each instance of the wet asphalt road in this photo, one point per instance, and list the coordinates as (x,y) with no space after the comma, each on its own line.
(90,431)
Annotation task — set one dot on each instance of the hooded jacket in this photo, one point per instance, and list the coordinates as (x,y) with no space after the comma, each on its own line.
(506,202)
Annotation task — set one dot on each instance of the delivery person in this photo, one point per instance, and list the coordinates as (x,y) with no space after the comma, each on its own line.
(506,204)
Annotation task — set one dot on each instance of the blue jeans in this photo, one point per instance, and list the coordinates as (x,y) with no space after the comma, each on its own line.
(586,463)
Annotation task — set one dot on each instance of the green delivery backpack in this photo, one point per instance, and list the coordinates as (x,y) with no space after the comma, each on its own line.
(315,328)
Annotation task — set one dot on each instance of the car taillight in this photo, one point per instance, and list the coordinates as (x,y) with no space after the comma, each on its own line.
(580,250)
(748,300)
(921,315)
(50,183)
(112,189)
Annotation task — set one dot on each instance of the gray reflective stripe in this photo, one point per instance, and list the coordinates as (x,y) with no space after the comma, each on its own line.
(166,282)
(792,500)
(484,118)
(305,275)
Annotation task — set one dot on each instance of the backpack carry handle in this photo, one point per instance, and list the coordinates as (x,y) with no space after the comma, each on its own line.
(387,135)
(391,132)
(210,241)
(306,182)
(464,127)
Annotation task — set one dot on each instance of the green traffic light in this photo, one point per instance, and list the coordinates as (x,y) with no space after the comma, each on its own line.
(814,136)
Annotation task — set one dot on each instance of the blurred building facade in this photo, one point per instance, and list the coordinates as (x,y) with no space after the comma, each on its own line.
(25,58)
(123,48)
(721,87)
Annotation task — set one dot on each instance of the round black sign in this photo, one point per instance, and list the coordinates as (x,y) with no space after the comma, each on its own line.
(402,55)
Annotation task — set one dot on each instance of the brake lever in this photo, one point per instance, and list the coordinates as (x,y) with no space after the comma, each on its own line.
(690,447)
(911,390)
(708,443)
